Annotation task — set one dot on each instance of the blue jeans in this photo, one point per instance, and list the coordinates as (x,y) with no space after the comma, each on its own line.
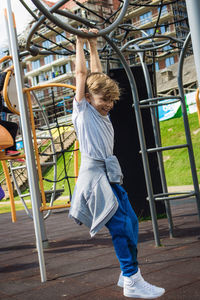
(123,227)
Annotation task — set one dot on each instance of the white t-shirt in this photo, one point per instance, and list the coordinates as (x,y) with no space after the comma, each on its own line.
(94,131)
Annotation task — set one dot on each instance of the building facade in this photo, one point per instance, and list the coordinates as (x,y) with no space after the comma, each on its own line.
(146,18)
(54,67)
(167,20)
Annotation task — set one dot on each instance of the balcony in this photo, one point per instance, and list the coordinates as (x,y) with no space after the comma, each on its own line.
(48,67)
(61,78)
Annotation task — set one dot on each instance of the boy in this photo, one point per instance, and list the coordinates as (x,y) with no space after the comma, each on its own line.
(98,198)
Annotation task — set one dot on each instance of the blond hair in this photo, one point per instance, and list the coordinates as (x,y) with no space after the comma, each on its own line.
(100,83)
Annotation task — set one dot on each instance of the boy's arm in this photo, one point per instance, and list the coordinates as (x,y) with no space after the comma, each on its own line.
(95,64)
(80,69)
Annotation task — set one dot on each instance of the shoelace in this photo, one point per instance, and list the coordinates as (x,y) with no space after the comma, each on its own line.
(147,285)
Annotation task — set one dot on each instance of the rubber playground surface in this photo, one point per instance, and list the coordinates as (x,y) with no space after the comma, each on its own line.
(82,268)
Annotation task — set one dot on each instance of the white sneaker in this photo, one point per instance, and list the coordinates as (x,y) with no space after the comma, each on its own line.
(120,282)
(136,287)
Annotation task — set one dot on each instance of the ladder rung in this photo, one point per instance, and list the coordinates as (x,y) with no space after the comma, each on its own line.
(24,195)
(158,149)
(52,191)
(44,137)
(178,98)
(165,196)
(48,154)
(19,167)
(50,163)
(37,109)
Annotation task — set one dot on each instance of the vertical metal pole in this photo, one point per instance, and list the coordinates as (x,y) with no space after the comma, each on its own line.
(10,190)
(31,166)
(157,142)
(65,110)
(193,10)
(7,30)
(186,123)
(76,160)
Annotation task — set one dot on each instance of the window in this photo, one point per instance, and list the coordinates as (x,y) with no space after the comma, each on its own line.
(39,94)
(35,64)
(164,28)
(77,11)
(146,18)
(58,56)
(41,77)
(35,80)
(129,21)
(47,75)
(60,37)
(46,44)
(68,67)
(148,31)
(157,66)
(167,48)
(164,10)
(131,59)
(169,61)
(48,59)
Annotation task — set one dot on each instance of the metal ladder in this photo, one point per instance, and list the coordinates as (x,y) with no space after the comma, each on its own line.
(152,104)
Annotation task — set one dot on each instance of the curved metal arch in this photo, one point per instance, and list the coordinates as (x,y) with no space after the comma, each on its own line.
(70,29)
(141,39)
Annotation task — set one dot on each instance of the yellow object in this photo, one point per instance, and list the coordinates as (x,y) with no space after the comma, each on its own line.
(198,104)
(6,139)
(10,190)
(10,77)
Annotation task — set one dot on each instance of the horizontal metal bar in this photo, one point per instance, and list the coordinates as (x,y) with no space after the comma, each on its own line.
(159,197)
(155,105)
(24,195)
(56,191)
(44,137)
(159,149)
(160,99)
(37,109)
(48,154)
(18,168)
(50,163)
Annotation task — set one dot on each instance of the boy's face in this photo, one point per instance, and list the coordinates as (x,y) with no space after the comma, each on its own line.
(101,105)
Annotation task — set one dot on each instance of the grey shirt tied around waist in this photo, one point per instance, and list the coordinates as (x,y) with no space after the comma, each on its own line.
(93,201)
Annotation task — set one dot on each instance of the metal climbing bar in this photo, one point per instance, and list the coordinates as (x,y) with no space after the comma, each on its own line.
(31,167)
(10,190)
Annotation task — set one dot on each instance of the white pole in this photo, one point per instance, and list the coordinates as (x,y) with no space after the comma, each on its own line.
(30,159)
(193,11)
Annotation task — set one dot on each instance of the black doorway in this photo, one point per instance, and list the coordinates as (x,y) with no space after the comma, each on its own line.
(127,146)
